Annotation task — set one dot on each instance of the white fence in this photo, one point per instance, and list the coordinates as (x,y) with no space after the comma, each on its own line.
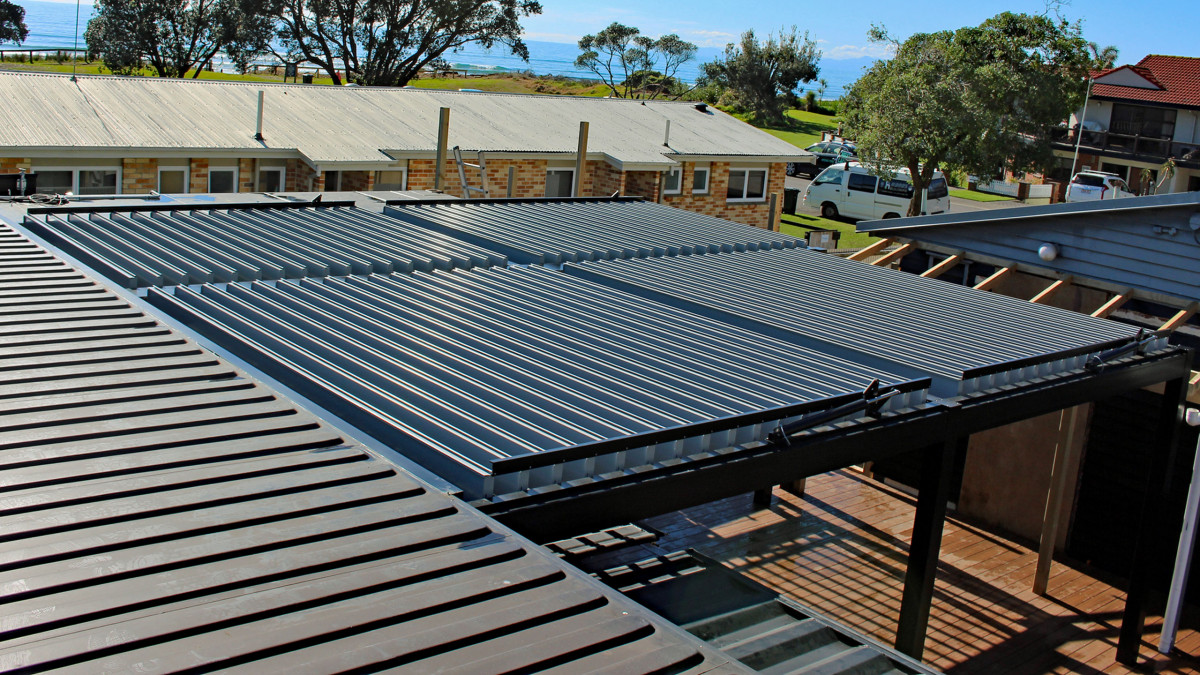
(999,188)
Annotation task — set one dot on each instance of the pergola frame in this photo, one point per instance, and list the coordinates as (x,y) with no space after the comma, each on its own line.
(938,430)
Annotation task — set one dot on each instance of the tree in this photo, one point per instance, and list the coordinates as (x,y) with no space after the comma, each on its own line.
(761,78)
(628,61)
(1103,59)
(388,42)
(12,23)
(978,98)
(176,37)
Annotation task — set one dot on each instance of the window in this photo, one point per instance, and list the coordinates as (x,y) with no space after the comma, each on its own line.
(172,180)
(333,181)
(270,179)
(1137,120)
(938,189)
(896,187)
(89,181)
(861,182)
(559,182)
(390,180)
(830,176)
(747,185)
(673,181)
(700,181)
(222,180)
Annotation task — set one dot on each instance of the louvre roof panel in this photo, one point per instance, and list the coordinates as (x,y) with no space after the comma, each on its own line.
(944,330)
(140,247)
(554,232)
(162,511)
(462,370)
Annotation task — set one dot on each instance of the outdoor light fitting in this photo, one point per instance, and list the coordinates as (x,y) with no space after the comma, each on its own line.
(1048,252)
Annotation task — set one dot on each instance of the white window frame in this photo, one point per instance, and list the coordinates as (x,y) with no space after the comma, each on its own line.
(228,169)
(562,169)
(75,170)
(678,186)
(403,173)
(187,177)
(707,171)
(271,169)
(745,184)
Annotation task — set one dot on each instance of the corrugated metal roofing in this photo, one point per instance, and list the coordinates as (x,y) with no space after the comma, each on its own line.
(942,330)
(159,247)
(356,124)
(1145,243)
(461,370)
(554,233)
(162,512)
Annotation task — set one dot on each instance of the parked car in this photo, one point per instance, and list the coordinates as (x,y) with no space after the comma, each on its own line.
(1090,186)
(826,154)
(851,190)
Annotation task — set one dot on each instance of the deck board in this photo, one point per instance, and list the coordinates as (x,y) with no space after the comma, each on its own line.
(842,550)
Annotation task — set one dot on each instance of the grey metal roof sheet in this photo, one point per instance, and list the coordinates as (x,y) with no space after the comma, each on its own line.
(151,246)
(1144,243)
(557,232)
(462,370)
(942,330)
(161,511)
(356,124)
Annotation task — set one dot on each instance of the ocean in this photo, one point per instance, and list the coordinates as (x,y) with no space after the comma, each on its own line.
(52,26)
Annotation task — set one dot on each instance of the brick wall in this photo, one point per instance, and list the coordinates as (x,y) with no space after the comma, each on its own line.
(247,175)
(529,179)
(14,164)
(713,203)
(139,175)
(358,180)
(297,175)
(606,179)
(642,184)
(198,175)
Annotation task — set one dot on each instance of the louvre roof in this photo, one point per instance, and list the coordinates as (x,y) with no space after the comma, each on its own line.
(328,125)
(965,339)
(462,371)
(554,232)
(162,511)
(1144,243)
(154,246)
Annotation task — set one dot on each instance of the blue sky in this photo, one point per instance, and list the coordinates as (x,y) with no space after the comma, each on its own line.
(1137,29)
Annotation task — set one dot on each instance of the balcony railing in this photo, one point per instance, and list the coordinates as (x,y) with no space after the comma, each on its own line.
(1132,146)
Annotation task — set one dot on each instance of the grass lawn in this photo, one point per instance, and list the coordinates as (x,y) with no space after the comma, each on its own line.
(800,224)
(978,196)
(802,128)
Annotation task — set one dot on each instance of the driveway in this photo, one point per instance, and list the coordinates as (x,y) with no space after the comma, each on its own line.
(957,205)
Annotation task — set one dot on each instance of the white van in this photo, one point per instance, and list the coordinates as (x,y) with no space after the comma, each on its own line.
(850,190)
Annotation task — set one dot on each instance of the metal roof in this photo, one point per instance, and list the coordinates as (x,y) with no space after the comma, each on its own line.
(551,232)
(964,338)
(161,511)
(1145,243)
(193,244)
(375,125)
(465,370)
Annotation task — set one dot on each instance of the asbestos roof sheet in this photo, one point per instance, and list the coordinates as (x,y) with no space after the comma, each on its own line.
(906,324)
(461,370)
(547,232)
(162,247)
(328,124)
(1144,243)
(162,512)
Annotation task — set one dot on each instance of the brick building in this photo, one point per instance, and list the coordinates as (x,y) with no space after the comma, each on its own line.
(108,135)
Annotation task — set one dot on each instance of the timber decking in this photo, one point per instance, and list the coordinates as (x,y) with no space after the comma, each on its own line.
(841,550)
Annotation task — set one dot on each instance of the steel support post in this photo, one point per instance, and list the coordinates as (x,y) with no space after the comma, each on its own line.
(1149,539)
(937,471)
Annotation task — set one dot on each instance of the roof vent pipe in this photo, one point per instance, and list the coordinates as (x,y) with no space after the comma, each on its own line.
(667,135)
(258,129)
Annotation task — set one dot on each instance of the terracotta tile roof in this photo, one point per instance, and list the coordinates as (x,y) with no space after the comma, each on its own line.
(1178,77)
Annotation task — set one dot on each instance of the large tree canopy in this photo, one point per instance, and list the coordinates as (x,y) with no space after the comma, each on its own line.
(387,42)
(631,64)
(761,78)
(177,36)
(978,98)
(12,23)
